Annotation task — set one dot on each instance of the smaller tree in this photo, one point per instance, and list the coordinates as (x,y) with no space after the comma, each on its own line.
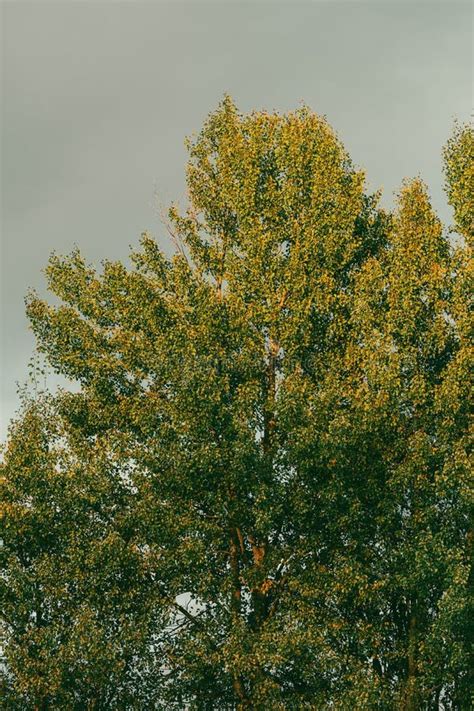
(78,601)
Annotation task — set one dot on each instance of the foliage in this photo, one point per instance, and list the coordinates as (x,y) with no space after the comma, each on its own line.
(260,495)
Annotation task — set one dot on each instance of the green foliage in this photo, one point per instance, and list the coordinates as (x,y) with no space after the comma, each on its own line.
(260,495)
(459,171)
(78,599)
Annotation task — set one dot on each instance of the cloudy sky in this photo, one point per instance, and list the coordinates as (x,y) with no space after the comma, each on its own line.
(97,98)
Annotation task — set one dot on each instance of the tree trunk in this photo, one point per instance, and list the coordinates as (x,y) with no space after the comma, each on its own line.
(411,701)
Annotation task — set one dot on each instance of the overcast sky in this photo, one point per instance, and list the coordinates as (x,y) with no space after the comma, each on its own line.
(97,98)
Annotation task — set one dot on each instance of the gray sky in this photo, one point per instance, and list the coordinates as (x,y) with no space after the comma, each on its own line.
(97,98)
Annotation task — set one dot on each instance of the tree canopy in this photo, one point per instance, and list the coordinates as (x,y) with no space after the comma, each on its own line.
(259,496)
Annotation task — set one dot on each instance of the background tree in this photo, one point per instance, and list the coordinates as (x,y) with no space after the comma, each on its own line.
(78,599)
(275,424)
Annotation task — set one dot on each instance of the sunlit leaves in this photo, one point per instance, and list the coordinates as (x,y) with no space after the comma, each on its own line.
(259,497)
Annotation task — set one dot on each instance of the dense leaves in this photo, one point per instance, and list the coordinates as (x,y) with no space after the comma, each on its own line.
(260,494)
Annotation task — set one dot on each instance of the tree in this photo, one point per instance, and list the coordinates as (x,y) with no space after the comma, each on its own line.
(78,599)
(271,434)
